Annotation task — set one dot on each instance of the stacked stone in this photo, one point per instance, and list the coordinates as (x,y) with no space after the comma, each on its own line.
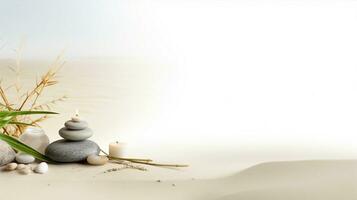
(75,146)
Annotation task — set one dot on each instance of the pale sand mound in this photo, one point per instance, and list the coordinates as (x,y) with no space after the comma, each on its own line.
(303,180)
(299,180)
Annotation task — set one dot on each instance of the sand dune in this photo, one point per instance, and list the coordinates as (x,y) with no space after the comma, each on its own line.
(297,180)
(294,180)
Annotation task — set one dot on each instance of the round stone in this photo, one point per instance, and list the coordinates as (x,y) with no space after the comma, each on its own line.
(7,154)
(76,125)
(41,168)
(25,171)
(35,138)
(97,160)
(71,151)
(10,167)
(21,166)
(24,158)
(75,135)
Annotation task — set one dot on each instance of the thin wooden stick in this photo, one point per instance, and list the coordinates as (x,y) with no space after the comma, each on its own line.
(149,163)
(49,104)
(128,159)
(134,159)
(5,131)
(4,98)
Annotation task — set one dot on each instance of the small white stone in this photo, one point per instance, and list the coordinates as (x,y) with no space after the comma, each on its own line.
(25,171)
(41,168)
(21,166)
(10,167)
(97,160)
(24,158)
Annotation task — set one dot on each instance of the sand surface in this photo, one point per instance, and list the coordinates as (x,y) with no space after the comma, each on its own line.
(147,115)
(315,180)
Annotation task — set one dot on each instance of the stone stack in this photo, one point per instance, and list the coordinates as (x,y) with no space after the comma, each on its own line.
(75,146)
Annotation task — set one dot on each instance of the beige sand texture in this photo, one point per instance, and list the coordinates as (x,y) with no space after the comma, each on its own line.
(130,100)
(295,180)
(307,180)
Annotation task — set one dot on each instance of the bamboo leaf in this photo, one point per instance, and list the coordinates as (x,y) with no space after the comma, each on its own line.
(14,143)
(5,118)
(21,123)
(16,113)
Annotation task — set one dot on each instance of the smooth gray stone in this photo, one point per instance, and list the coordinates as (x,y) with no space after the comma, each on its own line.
(7,154)
(75,135)
(71,151)
(76,125)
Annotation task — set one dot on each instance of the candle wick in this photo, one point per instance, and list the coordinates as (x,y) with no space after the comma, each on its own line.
(77,112)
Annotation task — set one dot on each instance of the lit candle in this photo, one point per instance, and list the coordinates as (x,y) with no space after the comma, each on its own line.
(76,117)
(116,149)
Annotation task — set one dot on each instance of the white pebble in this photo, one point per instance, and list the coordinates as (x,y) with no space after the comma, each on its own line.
(21,166)
(41,168)
(24,158)
(97,160)
(25,171)
(10,167)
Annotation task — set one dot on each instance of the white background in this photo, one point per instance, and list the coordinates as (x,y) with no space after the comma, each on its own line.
(267,78)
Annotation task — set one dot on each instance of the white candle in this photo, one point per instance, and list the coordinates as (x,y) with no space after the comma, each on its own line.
(76,117)
(116,149)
